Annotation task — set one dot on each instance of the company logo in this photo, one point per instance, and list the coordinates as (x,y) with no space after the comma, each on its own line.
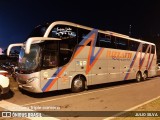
(119,55)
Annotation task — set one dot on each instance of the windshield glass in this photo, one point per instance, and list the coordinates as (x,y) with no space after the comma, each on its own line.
(39,31)
(29,61)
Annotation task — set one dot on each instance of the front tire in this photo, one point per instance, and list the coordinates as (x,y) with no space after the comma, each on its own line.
(78,84)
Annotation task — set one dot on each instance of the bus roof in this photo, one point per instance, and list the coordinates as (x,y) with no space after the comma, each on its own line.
(89,28)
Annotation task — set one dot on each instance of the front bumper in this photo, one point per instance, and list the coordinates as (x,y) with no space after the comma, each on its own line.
(27,87)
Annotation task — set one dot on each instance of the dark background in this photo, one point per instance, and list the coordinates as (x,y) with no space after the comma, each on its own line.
(19,17)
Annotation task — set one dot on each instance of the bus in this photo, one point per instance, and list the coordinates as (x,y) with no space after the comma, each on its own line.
(65,55)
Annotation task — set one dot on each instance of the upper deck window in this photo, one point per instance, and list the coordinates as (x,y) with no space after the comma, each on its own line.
(63,32)
(153,49)
(39,31)
(104,41)
(145,48)
(133,45)
(122,43)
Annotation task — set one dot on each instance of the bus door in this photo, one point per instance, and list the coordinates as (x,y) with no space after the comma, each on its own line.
(55,63)
(49,68)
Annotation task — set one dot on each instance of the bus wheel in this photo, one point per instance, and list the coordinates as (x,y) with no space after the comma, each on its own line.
(145,75)
(78,84)
(138,77)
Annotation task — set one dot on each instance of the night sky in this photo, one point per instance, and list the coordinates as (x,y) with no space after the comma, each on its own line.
(19,17)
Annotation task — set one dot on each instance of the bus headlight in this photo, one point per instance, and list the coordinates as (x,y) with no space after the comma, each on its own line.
(32,79)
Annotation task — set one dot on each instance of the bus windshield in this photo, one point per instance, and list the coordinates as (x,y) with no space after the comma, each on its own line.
(39,31)
(28,62)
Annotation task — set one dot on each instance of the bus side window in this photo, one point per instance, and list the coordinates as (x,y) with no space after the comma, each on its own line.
(144,47)
(82,34)
(101,41)
(122,43)
(104,41)
(113,42)
(149,48)
(65,53)
(133,45)
(108,41)
(116,40)
(50,59)
(63,32)
(153,49)
(66,50)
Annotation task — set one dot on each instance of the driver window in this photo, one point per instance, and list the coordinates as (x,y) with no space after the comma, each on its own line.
(50,59)
(66,50)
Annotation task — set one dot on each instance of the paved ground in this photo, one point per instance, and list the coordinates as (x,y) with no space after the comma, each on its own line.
(118,96)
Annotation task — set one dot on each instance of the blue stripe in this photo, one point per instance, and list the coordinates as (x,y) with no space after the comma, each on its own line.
(93,57)
(131,65)
(150,62)
(51,79)
(94,44)
(87,36)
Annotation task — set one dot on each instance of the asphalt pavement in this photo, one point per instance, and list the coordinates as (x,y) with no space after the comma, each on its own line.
(119,96)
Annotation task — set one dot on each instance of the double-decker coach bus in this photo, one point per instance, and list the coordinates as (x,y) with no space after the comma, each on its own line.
(64,55)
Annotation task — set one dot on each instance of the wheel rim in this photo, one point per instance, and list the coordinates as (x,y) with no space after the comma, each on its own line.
(138,77)
(78,83)
(144,76)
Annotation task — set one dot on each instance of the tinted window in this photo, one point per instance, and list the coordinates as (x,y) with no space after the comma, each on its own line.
(50,59)
(102,41)
(51,45)
(57,53)
(50,54)
(122,43)
(144,47)
(82,34)
(39,31)
(148,49)
(153,49)
(66,51)
(63,32)
(108,41)
(133,45)
(113,42)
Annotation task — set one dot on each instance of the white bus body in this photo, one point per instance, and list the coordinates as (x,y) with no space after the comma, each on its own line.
(65,55)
